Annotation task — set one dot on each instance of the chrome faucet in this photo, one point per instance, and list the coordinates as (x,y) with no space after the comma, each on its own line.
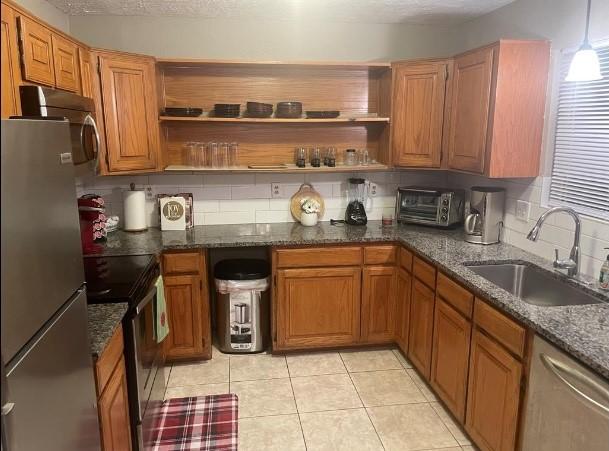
(572,264)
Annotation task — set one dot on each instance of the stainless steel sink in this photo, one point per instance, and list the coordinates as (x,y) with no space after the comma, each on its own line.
(532,285)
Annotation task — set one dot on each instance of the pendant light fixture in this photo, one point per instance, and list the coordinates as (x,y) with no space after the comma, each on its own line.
(585,65)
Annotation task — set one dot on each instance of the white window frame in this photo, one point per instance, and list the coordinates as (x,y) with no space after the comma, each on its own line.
(549,160)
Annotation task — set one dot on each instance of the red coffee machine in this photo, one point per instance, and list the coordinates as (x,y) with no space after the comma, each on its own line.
(91,211)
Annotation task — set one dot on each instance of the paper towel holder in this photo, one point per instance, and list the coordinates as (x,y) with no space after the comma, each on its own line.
(134,210)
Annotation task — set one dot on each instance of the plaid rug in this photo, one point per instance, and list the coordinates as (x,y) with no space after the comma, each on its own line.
(203,423)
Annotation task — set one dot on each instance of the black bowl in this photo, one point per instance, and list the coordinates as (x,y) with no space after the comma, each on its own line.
(182,111)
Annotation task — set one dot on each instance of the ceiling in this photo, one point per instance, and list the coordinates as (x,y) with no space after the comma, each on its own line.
(358,11)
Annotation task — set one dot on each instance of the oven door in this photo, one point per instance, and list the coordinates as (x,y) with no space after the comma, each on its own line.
(419,206)
(145,359)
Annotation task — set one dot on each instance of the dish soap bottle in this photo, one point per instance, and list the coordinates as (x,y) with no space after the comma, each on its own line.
(603,278)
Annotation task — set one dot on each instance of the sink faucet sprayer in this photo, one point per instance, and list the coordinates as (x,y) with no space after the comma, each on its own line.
(572,264)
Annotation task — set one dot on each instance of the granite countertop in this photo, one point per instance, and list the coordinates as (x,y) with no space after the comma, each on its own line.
(103,321)
(582,331)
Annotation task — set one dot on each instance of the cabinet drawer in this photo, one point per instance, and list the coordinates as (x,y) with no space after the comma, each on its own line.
(379,255)
(503,329)
(424,272)
(181,263)
(455,295)
(406,259)
(107,361)
(319,256)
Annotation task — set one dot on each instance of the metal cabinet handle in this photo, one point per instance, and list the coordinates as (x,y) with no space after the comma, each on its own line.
(90,121)
(556,367)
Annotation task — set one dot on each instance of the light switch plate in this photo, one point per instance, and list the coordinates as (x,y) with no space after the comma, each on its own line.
(523,210)
(149,193)
(373,189)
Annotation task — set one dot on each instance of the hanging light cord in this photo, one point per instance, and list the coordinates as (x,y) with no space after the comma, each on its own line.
(586,43)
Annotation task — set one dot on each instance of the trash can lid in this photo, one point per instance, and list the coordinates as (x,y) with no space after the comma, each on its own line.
(241,269)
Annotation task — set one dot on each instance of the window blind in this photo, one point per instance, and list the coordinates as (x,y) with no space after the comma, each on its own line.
(580,171)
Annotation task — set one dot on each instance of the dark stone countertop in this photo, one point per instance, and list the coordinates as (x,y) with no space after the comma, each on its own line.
(103,321)
(582,331)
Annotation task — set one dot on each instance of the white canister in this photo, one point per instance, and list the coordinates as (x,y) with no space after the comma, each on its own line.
(134,210)
(308,219)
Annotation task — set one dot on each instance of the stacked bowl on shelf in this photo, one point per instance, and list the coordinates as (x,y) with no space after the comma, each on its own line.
(258,109)
(289,110)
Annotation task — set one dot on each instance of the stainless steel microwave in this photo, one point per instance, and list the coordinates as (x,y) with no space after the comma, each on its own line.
(37,101)
(429,206)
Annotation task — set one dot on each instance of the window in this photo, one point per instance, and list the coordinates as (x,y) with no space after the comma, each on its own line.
(580,170)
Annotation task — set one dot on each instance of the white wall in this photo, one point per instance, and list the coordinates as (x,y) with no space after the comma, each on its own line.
(262,40)
(47,12)
(562,22)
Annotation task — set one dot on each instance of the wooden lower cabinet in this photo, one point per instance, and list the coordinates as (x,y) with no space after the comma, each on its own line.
(450,357)
(317,307)
(112,396)
(493,399)
(183,298)
(421,327)
(378,304)
(113,408)
(402,309)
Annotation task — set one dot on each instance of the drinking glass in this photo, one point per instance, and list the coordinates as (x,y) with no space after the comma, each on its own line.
(331,157)
(200,153)
(316,157)
(233,154)
(212,154)
(223,156)
(189,150)
(301,157)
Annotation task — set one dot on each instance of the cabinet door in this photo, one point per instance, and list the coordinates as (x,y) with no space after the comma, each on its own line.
(10,64)
(318,307)
(450,357)
(421,327)
(130,112)
(418,113)
(402,309)
(86,72)
(183,297)
(37,52)
(65,60)
(470,110)
(493,395)
(378,304)
(113,408)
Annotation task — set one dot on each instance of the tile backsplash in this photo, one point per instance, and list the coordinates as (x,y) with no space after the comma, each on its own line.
(250,198)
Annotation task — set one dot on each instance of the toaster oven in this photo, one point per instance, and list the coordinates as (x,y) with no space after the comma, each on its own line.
(429,206)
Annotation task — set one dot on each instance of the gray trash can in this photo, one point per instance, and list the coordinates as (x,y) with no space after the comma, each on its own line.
(242,305)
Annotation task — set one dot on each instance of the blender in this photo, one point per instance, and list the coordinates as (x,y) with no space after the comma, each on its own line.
(357,197)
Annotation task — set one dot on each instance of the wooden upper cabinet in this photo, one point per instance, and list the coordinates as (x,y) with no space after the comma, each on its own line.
(402,308)
(421,327)
(497,109)
(450,358)
(184,312)
(130,112)
(493,398)
(469,110)
(418,113)
(317,307)
(86,72)
(378,304)
(65,59)
(36,52)
(9,64)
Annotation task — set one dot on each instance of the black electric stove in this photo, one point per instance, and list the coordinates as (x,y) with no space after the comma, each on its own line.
(119,278)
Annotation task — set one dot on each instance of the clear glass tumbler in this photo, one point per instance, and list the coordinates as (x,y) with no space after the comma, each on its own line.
(201,155)
(188,150)
(233,154)
(316,157)
(212,154)
(223,157)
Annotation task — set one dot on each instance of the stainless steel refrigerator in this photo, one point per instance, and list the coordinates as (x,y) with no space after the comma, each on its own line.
(48,388)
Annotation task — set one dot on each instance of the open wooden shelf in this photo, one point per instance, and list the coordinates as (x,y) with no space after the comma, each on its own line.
(291,169)
(273,120)
(350,65)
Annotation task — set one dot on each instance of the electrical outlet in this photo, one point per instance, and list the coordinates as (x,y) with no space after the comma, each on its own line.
(149,193)
(275,190)
(523,210)
(373,189)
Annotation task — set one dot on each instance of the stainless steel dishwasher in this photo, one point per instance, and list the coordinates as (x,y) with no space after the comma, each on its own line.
(568,405)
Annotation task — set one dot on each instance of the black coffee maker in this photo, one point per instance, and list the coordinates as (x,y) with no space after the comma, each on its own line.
(358,195)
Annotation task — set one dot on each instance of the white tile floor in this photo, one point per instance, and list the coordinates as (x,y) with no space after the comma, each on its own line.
(349,400)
